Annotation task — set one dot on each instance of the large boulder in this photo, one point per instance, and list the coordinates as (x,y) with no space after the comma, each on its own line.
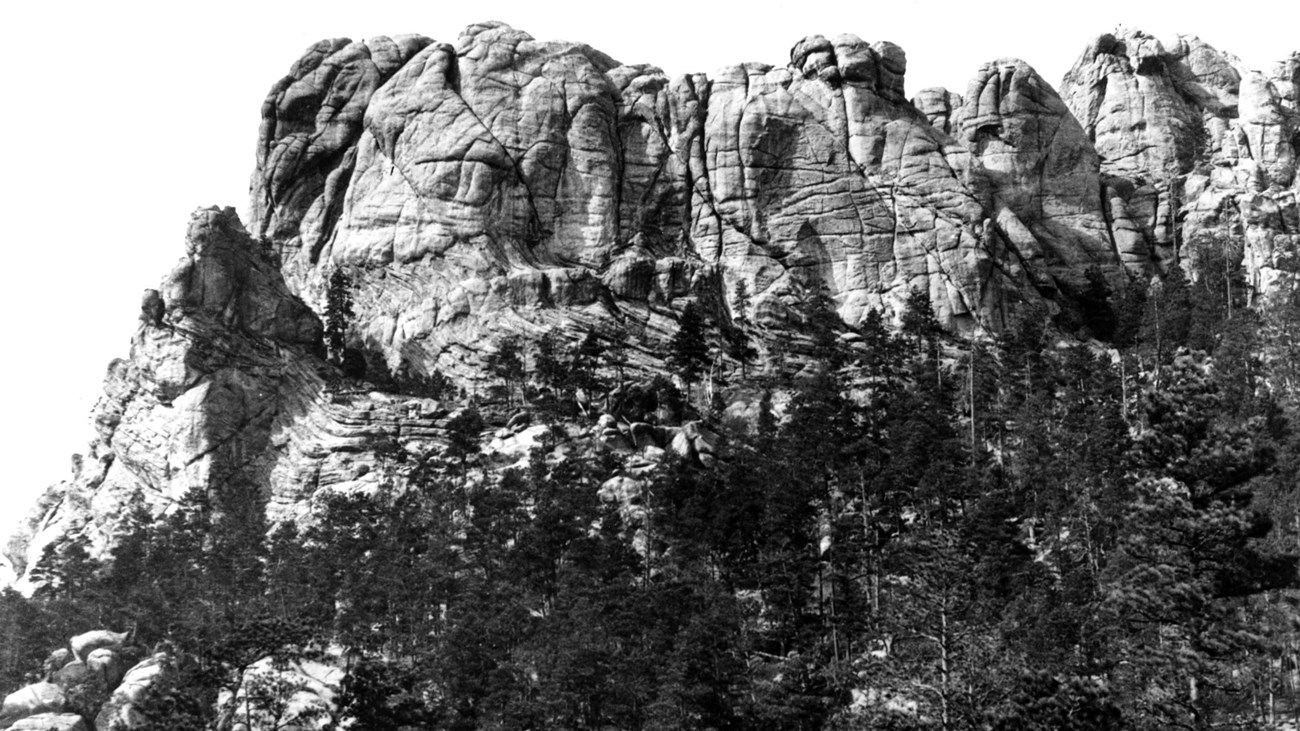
(107,665)
(32,700)
(52,722)
(119,712)
(87,642)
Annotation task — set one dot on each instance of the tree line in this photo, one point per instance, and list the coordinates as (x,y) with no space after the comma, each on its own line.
(908,531)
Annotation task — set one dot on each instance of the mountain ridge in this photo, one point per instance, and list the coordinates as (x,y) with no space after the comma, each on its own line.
(1019,176)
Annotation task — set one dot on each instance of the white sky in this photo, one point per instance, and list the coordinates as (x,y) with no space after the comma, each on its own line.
(120,118)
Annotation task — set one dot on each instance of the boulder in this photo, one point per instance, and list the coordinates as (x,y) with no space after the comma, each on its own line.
(52,722)
(107,664)
(118,713)
(86,643)
(56,661)
(32,700)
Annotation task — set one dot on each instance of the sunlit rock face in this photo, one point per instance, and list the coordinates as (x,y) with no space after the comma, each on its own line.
(500,184)
(1196,150)
(224,389)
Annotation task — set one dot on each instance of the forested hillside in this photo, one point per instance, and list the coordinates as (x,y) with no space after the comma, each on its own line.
(544,391)
(1094,530)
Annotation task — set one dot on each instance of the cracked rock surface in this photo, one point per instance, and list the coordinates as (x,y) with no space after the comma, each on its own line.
(501,185)
(1195,148)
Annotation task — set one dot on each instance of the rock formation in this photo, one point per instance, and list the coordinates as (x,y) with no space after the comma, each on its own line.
(1195,149)
(32,700)
(501,185)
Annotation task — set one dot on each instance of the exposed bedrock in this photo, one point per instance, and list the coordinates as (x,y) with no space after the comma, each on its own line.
(502,184)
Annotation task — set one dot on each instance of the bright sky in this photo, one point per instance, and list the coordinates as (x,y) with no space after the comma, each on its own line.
(120,118)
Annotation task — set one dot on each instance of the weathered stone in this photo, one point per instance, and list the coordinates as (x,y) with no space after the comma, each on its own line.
(1033,159)
(1196,149)
(107,665)
(88,642)
(119,713)
(51,722)
(1141,126)
(943,108)
(57,660)
(303,697)
(32,700)
(501,184)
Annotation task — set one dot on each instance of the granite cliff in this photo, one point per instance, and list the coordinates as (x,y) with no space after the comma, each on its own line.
(501,185)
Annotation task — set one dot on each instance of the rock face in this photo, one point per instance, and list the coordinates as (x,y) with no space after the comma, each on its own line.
(501,185)
(1195,149)
(118,712)
(504,184)
(223,383)
(1038,173)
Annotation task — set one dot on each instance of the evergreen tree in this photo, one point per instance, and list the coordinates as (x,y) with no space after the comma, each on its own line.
(739,345)
(1190,551)
(1096,312)
(921,327)
(688,352)
(338,314)
(823,325)
(463,433)
(507,363)
(1167,317)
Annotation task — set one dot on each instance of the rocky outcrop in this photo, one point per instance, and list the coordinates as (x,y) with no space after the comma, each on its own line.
(1196,150)
(52,722)
(88,643)
(504,185)
(223,384)
(32,700)
(1039,176)
(501,185)
(119,712)
(297,694)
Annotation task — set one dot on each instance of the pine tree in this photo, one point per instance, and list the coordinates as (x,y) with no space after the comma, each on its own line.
(1167,317)
(507,363)
(921,327)
(688,352)
(338,314)
(739,345)
(1097,313)
(1190,552)
(463,432)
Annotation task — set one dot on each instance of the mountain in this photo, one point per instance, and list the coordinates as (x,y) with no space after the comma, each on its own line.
(501,186)
(500,195)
